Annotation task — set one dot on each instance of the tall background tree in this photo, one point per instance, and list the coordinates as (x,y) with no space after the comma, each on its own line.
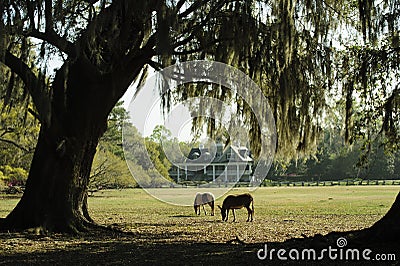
(311,59)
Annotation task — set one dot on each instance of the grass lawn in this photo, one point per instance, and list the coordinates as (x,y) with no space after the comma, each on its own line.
(159,230)
(280,213)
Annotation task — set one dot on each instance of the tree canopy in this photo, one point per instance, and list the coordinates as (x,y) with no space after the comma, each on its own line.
(315,60)
(309,57)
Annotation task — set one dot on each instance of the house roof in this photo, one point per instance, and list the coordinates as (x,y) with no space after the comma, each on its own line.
(231,153)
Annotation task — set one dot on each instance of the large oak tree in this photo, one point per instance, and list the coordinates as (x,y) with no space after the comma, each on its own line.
(104,46)
(294,50)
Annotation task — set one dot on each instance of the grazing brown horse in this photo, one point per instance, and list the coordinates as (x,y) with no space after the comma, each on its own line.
(201,199)
(232,202)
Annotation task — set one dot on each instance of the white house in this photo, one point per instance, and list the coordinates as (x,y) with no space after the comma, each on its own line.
(229,164)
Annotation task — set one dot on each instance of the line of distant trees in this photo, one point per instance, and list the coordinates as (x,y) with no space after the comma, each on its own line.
(333,161)
(18,136)
(336,161)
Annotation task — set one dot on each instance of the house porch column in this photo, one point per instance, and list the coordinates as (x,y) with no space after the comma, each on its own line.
(226,173)
(213,173)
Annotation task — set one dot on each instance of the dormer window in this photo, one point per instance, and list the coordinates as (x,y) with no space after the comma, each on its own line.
(195,155)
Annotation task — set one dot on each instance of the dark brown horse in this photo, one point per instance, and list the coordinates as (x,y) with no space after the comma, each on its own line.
(232,202)
(201,199)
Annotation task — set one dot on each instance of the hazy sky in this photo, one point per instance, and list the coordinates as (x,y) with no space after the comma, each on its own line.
(146,112)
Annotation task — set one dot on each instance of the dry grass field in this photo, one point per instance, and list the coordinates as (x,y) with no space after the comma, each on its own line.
(160,233)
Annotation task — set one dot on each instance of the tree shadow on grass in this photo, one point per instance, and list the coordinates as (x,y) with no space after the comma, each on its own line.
(182,216)
(107,247)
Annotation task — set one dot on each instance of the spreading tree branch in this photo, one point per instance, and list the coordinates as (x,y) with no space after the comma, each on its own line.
(130,56)
(15,144)
(51,37)
(196,28)
(48,14)
(36,87)
(31,13)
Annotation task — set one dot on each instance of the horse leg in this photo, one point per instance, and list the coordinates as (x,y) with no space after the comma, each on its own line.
(234,217)
(249,214)
(212,207)
(204,209)
(252,210)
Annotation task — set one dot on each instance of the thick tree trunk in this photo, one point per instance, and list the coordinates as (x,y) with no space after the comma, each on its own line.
(102,63)
(387,228)
(55,198)
(55,193)
(56,189)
